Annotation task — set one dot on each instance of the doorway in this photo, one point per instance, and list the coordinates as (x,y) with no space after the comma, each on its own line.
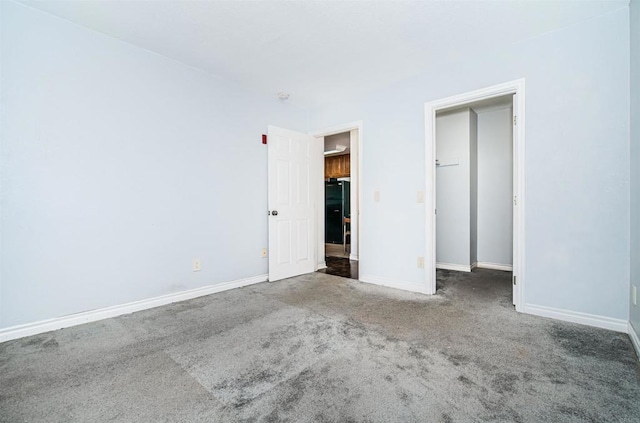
(296,200)
(474,187)
(456,215)
(339,196)
(337,206)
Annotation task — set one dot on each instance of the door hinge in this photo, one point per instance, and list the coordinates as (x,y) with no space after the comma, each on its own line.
(435,211)
(514,280)
(515,200)
(515,120)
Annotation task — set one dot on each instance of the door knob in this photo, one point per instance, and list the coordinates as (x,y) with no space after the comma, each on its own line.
(274,213)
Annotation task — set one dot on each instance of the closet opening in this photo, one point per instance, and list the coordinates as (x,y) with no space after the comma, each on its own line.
(474,193)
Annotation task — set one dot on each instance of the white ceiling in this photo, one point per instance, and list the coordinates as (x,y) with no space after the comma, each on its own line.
(320,51)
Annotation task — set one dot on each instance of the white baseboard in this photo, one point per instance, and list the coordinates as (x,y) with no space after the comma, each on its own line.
(635,339)
(353,257)
(479,265)
(456,267)
(494,266)
(322,265)
(406,286)
(618,325)
(35,328)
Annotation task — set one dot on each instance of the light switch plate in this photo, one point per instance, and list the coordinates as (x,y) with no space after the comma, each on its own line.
(264,253)
(420,197)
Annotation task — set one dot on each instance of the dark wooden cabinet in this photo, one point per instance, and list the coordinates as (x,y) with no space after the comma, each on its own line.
(337,166)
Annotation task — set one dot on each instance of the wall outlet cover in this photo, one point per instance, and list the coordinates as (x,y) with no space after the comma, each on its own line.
(263,254)
(197,265)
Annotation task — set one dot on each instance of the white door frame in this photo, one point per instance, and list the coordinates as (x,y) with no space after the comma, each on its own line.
(512,87)
(356,184)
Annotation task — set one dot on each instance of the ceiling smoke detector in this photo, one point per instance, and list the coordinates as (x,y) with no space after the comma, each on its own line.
(283,96)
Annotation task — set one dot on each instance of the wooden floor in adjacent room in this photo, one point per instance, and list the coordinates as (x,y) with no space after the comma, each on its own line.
(336,250)
(338,262)
(340,266)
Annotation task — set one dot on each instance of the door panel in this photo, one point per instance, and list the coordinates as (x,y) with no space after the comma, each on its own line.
(302,232)
(283,251)
(283,182)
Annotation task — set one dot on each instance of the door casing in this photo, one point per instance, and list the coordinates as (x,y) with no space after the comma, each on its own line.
(356,191)
(516,88)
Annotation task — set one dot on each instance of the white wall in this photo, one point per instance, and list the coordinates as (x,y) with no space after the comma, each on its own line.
(634,314)
(117,177)
(577,171)
(118,167)
(453,199)
(478,190)
(495,187)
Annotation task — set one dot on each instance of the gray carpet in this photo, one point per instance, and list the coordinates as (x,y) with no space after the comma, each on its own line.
(320,348)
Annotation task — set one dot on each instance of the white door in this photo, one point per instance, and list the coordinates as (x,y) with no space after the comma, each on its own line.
(291,203)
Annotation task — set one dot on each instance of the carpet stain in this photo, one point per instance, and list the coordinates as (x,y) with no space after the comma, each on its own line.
(416,353)
(581,414)
(457,359)
(600,344)
(504,383)
(403,396)
(321,348)
(272,417)
(376,345)
(465,380)
(295,347)
(445,418)
(498,411)
(33,340)
(51,343)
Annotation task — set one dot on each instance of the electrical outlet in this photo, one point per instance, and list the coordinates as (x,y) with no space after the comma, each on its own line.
(421,262)
(264,253)
(634,294)
(197,265)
